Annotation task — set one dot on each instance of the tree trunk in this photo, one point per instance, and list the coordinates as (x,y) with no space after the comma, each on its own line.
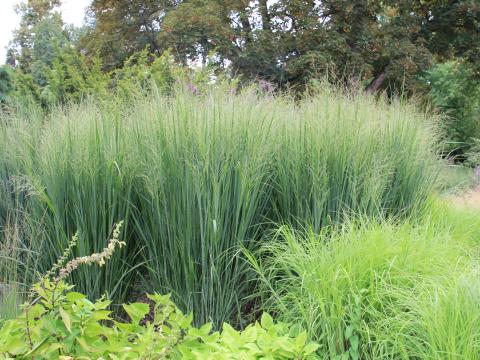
(376,83)
(263,8)
(246,27)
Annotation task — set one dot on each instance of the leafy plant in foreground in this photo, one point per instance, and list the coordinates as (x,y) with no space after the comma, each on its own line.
(58,323)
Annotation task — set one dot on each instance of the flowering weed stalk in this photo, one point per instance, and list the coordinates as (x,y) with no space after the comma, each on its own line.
(63,270)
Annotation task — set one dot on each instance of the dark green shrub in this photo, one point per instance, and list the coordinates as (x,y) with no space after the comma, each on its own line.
(5,82)
(456,93)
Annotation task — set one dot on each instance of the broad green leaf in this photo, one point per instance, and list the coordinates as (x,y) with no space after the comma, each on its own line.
(74,296)
(310,348)
(83,344)
(36,311)
(66,319)
(136,311)
(249,334)
(101,315)
(36,347)
(266,321)
(159,299)
(14,345)
(354,340)
(301,340)
(348,332)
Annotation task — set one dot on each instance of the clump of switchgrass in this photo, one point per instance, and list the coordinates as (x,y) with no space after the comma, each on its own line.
(67,172)
(196,176)
(10,272)
(338,154)
(17,265)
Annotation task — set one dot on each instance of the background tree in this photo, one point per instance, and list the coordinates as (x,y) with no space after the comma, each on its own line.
(5,82)
(454,91)
(377,44)
(380,44)
(119,29)
(31,12)
(195,28)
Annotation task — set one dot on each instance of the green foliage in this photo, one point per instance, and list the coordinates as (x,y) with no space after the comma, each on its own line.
(120,29)
(382,44)
(61,324)
(68,77)
(48,41)
(455,91)
(197,175)
(48,67)
(194,29)
(35,16)
(139,75)
(6,85)
(376,290)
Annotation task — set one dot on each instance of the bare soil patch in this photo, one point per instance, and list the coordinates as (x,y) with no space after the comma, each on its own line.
(469,198)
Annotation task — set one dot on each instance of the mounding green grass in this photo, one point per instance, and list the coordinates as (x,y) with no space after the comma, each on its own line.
(196,177)
(380,290)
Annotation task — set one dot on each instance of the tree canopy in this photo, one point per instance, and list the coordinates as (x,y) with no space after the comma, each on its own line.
(380,43)
(377,44)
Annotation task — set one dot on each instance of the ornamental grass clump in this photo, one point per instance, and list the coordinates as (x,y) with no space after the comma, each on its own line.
(379,290)
(198,176)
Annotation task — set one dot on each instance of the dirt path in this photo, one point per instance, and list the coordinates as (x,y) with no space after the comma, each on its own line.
(469,198)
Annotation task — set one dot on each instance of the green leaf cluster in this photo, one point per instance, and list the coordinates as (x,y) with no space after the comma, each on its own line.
(62,324)
(380,44)
(455,91)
